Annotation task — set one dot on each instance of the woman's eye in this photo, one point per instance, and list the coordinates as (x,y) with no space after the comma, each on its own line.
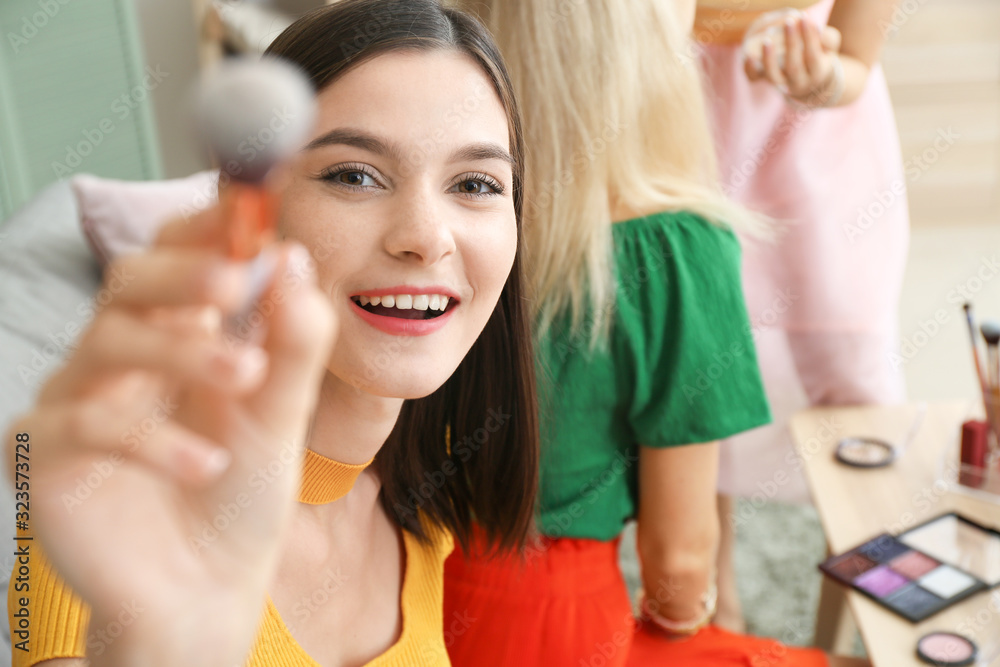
(358,179)
(479,187)
(473,187)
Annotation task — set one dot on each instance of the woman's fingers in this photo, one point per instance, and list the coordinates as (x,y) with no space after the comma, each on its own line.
(795,70)
(814,57)
(203,321)
(120,341)
(830,38)
(174,277)
(115,427)
(769,57)
(753,69)
(204,229)
(301,330)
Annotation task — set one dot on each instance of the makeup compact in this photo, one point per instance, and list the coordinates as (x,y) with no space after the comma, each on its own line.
(946,649)
(926,569)
(868,452)
(865,452)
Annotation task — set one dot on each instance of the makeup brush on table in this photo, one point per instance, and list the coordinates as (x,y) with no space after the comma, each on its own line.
(991,334)
(252,113)
(976,361)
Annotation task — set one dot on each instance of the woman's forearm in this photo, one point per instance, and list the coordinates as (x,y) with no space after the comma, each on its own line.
(678,576)
(861,25)
(855,79)
(678,527)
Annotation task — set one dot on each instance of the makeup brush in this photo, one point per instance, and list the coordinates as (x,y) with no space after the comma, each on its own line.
(991,334)
(975,348)
(252,114)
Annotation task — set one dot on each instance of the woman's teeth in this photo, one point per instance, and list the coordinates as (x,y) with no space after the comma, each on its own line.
(407,301)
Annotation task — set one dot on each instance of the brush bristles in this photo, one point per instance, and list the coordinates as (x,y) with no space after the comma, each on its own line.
(990,331)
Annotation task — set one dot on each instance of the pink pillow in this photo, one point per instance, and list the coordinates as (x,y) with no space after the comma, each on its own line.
(120,217)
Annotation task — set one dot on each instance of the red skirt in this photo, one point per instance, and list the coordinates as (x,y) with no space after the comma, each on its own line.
(565,604)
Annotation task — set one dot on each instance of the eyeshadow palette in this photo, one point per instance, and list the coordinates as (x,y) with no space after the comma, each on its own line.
(923,570)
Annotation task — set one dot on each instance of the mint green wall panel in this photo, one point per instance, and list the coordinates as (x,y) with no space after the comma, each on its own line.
(75,95)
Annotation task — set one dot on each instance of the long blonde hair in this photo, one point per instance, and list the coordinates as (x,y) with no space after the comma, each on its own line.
(615,119)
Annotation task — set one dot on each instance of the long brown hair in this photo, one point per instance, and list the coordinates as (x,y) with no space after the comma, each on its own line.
(469,451)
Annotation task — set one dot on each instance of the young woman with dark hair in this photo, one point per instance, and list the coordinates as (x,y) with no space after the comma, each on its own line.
(404,344)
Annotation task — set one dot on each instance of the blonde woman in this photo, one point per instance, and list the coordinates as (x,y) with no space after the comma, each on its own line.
(645,356)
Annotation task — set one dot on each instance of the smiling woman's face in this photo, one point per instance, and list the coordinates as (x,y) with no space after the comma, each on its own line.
(404,198)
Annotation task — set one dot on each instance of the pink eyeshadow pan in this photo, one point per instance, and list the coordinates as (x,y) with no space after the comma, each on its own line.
(913,564)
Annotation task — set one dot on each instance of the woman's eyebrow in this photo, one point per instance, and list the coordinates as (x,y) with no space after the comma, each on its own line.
(483,151)
(379,146)
(358,139)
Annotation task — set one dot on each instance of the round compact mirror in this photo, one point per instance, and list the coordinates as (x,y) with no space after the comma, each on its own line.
(865,452)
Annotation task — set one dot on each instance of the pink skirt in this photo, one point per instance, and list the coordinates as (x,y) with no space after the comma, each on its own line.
(823,299)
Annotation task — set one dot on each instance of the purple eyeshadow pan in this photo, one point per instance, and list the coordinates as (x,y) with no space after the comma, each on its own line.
(881,581)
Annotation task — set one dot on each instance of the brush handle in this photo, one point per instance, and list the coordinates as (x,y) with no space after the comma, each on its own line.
(250,213)
(992,396)
(993,368)
(976,361)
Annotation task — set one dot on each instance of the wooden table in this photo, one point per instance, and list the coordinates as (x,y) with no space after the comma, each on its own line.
(856,504)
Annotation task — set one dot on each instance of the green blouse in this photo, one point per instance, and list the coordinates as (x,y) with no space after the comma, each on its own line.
(679,367)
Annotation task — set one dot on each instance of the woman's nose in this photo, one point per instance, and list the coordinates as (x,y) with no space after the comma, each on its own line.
(420,230)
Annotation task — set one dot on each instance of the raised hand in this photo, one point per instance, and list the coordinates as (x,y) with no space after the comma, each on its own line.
(807,71)
(180,419)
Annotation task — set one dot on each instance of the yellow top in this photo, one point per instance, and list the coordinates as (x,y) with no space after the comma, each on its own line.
(725,21)
(57,618)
